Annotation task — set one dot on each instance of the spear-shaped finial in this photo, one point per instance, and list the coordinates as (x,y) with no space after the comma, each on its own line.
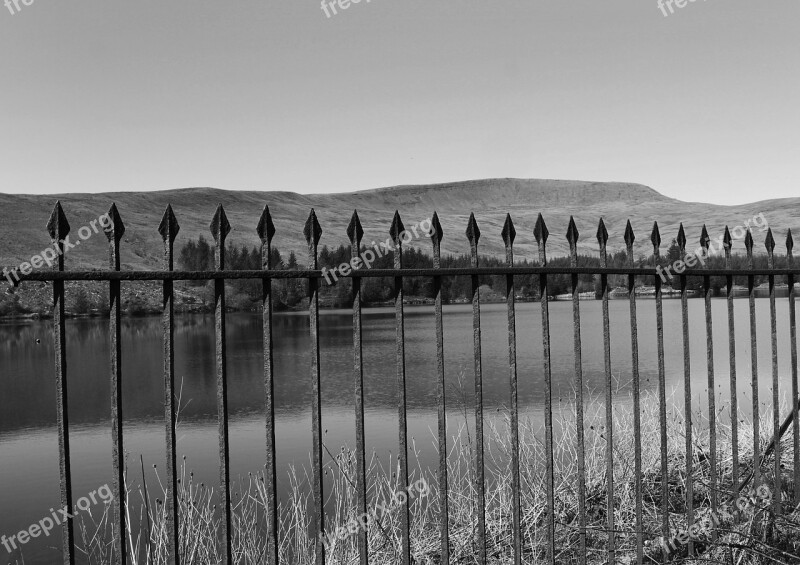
(789,243)
(437,234)
(265,228)
(727,240)
(313,232)
(397,228)
(355,232)
(602,240)
(220,226)
(705,240)
(681,239)
(266,231)
(540,231)
(769,242)
(58,226)
(168,228)
(473,232)
(509,234)
(572,233)
(115,228)
(655,238)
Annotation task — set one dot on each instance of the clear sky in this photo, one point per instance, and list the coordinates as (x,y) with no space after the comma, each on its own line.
(108,95)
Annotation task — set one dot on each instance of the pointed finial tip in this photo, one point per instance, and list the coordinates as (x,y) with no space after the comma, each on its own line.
(602,232)
(436,228)
(265,228)
(655,235)
(168,228)
(572,232)
(473,231)
(397,228)
(312,230)
(509,233)
(220,226)
(629,235)
(57,225)
(769,242)
(540,231)
(354,230)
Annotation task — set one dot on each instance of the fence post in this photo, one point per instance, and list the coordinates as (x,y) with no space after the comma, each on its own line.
(220,228)
(58,228)
(114,233)
(168,228)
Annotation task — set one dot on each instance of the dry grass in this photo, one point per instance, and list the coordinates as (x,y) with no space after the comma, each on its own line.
(753,537)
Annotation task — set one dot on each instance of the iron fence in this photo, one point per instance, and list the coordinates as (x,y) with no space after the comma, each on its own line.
(58,228)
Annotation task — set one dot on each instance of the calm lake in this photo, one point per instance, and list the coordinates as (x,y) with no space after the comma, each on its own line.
(29,480)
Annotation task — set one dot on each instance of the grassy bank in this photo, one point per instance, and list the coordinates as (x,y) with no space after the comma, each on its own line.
(753,536)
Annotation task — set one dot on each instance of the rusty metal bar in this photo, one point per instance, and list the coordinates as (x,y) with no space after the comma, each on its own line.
(355,232)
(313,233)
(637,408)
(397,232)
(473,235)
(509,233)
(378,273)
(727,243)
(687,393)
(748,242)
(712,404)
(541,233)
(655,238)
(114,233)
(793,348)
(169,230)
(572,238)
(444,519)
(220,227)
(58,228)
(266,231)
(602,239)
(776,409)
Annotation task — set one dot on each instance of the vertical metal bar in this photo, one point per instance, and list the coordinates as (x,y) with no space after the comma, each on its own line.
(266,230)
(169,230)
(473,235)
(220,229)
(313,232)
(776,409)
(687,392)
(355,232)
(397,231)
(655,238)
(748,242)
(572,237)
(793,348)
(727,243)
(637,409)
(541,233)
(114,233)
(444,520)
(509,233)
(712,405)
(58,228)
(602,239)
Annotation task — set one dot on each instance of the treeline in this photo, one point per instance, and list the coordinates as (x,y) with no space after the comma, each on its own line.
(290,293)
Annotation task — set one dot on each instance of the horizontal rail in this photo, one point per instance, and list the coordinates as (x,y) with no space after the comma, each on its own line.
(427,272)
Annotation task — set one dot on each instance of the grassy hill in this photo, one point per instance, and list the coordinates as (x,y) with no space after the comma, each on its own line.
(24,217)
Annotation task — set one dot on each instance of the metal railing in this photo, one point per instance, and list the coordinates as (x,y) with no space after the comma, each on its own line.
(58,228)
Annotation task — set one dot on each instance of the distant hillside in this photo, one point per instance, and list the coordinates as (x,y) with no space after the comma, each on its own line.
(23,217)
